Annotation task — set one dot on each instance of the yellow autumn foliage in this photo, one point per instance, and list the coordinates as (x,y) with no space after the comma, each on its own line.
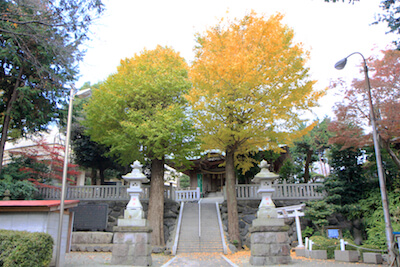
(250,85)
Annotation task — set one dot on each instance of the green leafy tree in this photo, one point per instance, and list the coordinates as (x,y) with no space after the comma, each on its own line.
(145,117)
(345,187)
(90,154)
(269,155)
(39,47)
(308,149)
(184,181)
(317,212)
(347,183)
(371,207)
(250,83)
(290,171)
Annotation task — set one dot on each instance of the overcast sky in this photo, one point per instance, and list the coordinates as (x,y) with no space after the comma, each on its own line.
(330,31)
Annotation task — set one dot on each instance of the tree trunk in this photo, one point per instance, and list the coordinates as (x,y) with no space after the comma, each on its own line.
(156,202)
(386,145)
(101,174)
(233,217)
(93,176)
(7,118)
(307,166)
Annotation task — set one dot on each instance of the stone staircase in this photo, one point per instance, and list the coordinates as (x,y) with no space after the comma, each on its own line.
(210,239)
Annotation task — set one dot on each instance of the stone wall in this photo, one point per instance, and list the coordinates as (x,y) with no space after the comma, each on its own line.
(247,210)
(116,210)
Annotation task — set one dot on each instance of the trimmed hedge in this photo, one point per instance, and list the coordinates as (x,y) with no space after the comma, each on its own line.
(25,249)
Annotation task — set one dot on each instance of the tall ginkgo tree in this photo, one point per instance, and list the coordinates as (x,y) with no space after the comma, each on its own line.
(250,87)
(140,113)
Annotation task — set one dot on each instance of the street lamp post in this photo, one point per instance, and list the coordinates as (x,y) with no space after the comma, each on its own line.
(81,94)
(388,226)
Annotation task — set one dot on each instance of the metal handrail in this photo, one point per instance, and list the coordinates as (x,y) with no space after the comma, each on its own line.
(178,229)
(220,228)
(199,218)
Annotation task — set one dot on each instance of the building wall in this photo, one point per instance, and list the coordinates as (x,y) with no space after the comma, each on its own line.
(211,182)
(44,222)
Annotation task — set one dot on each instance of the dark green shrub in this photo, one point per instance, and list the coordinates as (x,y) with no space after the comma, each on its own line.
(25,249)
(19,190)
(324,243)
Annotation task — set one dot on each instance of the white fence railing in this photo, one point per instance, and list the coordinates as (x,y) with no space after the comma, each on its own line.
(99,192)
(282,191)
(187,195)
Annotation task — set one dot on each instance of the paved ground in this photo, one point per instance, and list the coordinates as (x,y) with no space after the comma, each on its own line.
(240,259)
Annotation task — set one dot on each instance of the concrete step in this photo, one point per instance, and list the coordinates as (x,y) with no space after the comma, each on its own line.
(210,240)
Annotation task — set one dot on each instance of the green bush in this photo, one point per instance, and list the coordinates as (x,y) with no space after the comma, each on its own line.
(307,232)
(25,249)
(324,243)
(19,190)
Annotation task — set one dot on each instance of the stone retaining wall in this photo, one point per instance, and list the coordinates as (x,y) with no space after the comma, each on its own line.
(247,213)
(116,209)
(247,210)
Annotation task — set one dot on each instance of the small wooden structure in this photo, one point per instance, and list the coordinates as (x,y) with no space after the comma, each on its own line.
(39,216)
(207,174)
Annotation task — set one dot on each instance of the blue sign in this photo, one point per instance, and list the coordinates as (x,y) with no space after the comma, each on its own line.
(333,233)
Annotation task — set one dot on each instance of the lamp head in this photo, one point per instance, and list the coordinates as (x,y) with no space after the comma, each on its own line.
(341,64)
(84,93)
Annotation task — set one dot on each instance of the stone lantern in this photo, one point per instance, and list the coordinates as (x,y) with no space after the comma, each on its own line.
(266,214)
(132,236)
(269,234)
(133,214)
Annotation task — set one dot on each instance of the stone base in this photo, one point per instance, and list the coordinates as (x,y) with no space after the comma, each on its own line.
(318,254)
(271,260)
(370,257)
(132,218)
(269,245)
(131,246)
(268,222)
(300,252)
(346,255)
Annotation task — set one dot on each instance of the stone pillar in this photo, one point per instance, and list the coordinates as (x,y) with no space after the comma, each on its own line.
(131,246)
(269,234)
(132,234)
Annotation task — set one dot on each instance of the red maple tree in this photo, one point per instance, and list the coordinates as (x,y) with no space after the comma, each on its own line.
(352,124)
(47,161)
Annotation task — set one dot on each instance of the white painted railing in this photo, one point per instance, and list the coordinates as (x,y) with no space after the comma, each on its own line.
(96,192)
(282,191)
(221,231)
(178,229)
(187,195)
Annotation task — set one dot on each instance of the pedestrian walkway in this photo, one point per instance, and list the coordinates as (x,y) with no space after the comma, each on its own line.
(240,259)
(199,260)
